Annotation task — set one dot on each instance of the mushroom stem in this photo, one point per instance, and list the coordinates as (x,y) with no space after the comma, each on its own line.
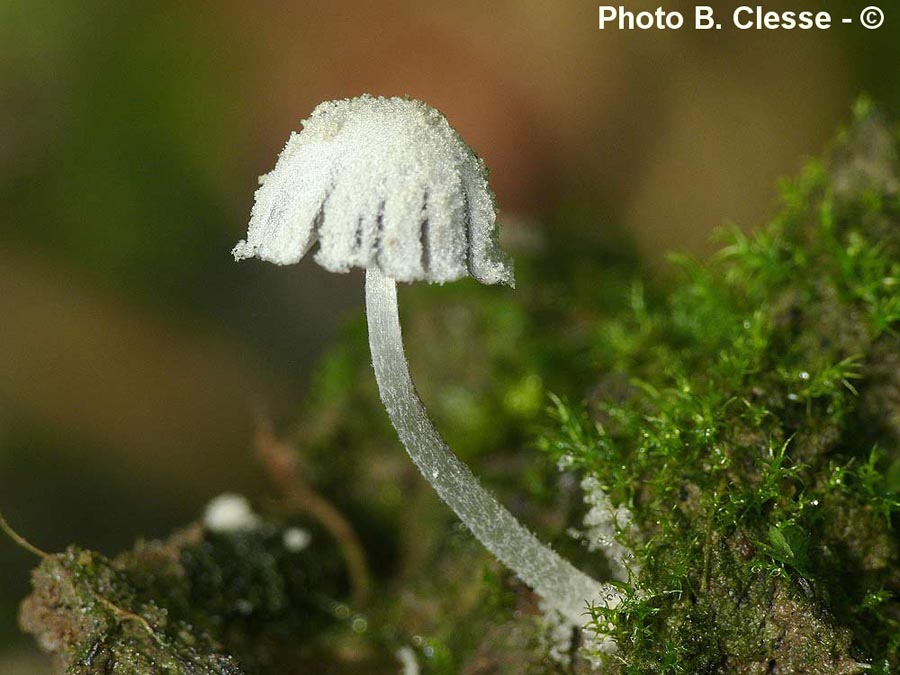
(561,585)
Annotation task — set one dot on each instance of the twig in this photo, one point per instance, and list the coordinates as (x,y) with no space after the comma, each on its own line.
(707,552)
(19,540)
(128,615)
(282,463)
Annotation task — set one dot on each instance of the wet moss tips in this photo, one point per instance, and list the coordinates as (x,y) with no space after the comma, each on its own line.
(753,435)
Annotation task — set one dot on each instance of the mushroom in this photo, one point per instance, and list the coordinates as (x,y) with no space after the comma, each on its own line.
(387,185)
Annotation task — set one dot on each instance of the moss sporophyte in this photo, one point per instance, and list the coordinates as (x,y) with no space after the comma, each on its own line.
(387,185)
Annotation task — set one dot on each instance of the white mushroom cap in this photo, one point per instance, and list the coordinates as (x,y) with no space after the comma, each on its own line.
(384,182)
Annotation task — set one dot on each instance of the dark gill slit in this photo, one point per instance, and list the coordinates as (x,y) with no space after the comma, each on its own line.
(316,242)
(357,239)
(467,232)
(379,233)
(425,236)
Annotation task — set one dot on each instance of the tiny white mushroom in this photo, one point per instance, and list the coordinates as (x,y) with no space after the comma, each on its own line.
(230,513)
(389,186)
(295,539)
(407,658)
(379,182)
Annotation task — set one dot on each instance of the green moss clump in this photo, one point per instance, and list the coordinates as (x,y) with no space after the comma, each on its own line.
(748,420)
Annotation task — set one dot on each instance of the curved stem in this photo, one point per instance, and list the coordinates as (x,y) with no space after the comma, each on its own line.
(565,588)
(19,540)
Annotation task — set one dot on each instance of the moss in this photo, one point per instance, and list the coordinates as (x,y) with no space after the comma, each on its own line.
(200,603)
(746,414)
(750,446)
(84,611)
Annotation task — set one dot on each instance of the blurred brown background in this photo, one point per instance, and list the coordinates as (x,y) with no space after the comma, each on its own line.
(132,348)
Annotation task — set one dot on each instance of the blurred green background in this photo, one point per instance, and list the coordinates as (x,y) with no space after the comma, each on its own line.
(133,351)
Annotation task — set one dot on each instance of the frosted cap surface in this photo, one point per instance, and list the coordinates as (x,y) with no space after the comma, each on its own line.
(379,181)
